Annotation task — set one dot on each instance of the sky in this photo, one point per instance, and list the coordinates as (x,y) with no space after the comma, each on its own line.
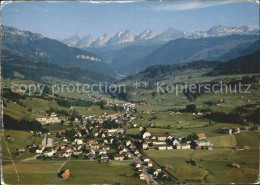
(61,19)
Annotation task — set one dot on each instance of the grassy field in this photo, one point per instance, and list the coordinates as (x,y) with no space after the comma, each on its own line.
(214,166)
(40,106)
(163,119)
(22,139)
(210,131)
(211,166)
(82,172)
(224,141)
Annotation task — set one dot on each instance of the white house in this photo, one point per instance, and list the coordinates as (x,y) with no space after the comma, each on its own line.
(175,142)
(162,138)
(128,143)
(183,146)
(159,143)
(102,151)
(145,145)
(49,154)
(38,151)
(146,135)
(78,141)
(204,143)
(162,148)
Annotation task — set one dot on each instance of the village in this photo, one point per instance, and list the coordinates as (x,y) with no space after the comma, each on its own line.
(104,138)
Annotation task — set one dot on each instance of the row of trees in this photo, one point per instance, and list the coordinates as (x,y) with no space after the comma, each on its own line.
(10,123)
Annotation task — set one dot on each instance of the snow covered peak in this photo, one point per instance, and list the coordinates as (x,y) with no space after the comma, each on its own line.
(146,34)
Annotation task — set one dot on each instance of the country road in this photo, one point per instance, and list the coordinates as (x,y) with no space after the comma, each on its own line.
(145,169)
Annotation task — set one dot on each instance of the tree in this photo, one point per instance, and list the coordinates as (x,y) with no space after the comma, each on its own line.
(191,108)
(115,142)
(102,105)
(256,117)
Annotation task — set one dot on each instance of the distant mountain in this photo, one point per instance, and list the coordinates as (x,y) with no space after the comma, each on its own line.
(242,65)
(122,37)
(171,34)
(30,69)
(130,54)
(248,64)
(145,35)
(85,41)
(148,37)
(35,46)
(186,50)
(101,41)
(220,31)
(71,40)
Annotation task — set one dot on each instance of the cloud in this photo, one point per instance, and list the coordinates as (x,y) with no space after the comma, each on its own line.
(189,5)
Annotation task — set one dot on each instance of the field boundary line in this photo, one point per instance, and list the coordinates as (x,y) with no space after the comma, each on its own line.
(63,165)
(18,179)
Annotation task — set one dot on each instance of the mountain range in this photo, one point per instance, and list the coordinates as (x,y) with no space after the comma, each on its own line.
(125,37)
(26,44)
(247,64)
(187,50)
(122,59)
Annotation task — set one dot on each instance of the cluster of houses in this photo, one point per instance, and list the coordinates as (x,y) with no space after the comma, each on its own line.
(129,106)
(166,141)
(52,120)
(96,148)
(233,130)
(92,141)
(147,166)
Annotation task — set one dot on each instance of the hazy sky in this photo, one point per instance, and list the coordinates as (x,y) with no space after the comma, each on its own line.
(59,19)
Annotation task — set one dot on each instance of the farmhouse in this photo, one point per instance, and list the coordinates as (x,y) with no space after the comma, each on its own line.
(119,157)
(102,151)
(233,130)
(78,141)
(66,174)
(247,127)
(156,173)
(128,142)
(104,157)
(10,139)
(201,136)
(146,135)
(175,142)
(183,146)
(149,163)
(160,136)
(162,148)
(236,165)
(21,150)
(51,120)
(237,148)
(137,165)
(168,166)
(142,176)
(38,151)
(159,143)
(203,143)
